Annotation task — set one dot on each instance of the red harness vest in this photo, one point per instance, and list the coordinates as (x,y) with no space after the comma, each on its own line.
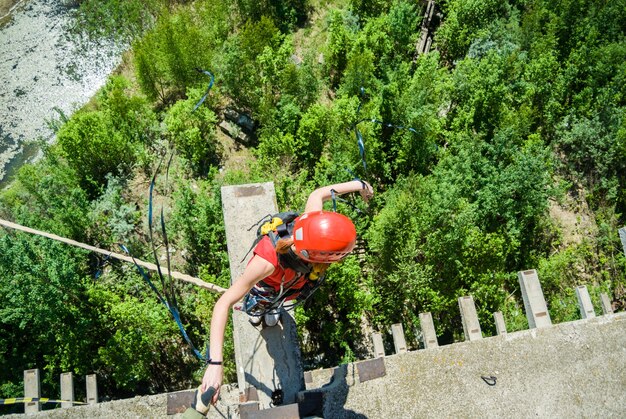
(266,250)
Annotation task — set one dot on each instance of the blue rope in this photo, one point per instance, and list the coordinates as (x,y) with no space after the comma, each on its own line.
(172,309)
(208,89)
(164,232)
(359,137)
(335,198)
(168,299)
(154,254)
(145,276)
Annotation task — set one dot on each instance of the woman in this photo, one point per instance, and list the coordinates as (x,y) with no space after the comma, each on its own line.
(260,268)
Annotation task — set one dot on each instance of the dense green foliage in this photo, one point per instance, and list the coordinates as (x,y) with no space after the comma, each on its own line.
(516,160)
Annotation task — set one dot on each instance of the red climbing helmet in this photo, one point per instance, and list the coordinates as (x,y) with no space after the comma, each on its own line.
(323,236)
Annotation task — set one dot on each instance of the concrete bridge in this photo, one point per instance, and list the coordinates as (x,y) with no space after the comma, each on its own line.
(564,370)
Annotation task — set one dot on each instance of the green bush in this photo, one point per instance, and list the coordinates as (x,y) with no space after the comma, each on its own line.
(193,135)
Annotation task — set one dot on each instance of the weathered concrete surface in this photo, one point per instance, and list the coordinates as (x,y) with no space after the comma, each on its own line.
(267,358)
(575,369)
(154,406)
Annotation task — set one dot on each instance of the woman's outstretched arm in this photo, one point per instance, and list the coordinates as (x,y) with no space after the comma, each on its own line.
(319,196)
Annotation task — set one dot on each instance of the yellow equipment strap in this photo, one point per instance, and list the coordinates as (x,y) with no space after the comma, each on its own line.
(15,400)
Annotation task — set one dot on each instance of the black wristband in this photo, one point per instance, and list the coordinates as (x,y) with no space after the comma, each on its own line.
(211,362)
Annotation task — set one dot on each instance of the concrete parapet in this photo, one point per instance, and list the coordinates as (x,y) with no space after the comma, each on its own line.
(584,302)
(318,378)
(469,318)
(289,411)
(428,330)
(534,301)
(67,389)
(573,369)
(92,389)
(607,307)
(379,347)
(500,324)
(398,338)
(561,369)
(32,388)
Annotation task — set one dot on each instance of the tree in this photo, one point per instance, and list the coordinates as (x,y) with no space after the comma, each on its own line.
(239,66)
(193,134)
(94,149)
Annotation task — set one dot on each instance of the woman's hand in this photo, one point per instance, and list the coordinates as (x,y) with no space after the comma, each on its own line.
(367,192)
(213,378)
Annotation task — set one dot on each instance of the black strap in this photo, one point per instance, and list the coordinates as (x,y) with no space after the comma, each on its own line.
(292,261)
(490,380)
(284,230)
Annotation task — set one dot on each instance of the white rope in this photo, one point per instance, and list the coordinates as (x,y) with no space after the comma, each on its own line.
(183,277)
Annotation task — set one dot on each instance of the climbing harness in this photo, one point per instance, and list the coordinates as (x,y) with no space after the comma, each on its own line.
(319,238)
(263,298)
(208,89)
(279,226)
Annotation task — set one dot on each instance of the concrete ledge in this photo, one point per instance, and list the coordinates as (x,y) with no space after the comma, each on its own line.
(574,369)
(154,406)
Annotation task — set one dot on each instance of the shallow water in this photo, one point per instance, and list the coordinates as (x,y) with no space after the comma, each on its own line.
(43,69)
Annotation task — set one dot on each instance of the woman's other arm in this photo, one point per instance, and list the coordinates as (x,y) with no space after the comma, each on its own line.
(319,196)
(257,269)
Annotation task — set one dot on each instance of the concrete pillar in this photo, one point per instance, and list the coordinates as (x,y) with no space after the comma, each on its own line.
(584,302)
(429,41)
(267,358)
(500,324)
(534,302)
(622,236)
(379,347)
(32,388)
(398,338)
(607,307)
(92,389)
(469,318)
(428,331)
(67,389)
(422,42)
(430,9)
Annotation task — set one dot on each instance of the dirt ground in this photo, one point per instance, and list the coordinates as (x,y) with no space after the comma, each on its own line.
(6,5)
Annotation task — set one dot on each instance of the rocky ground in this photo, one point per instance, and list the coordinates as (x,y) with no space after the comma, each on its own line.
(44,71)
